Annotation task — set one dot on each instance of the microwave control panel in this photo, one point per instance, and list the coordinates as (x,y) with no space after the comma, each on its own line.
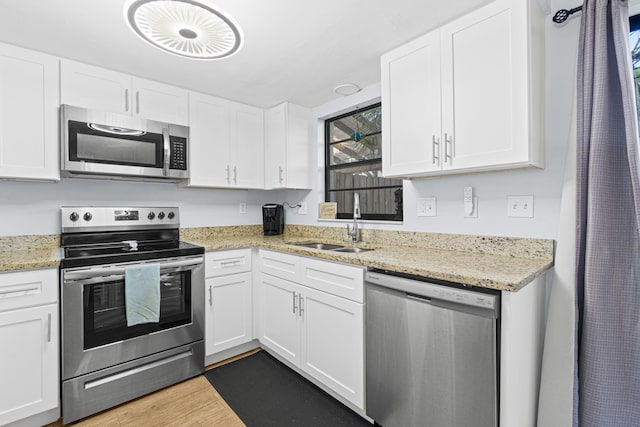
(178,153)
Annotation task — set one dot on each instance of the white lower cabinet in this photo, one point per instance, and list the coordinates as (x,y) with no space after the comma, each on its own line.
(228,313)
(29,370)
(316,331)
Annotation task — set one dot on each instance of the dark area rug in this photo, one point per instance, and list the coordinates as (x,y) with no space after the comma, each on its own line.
(265,392)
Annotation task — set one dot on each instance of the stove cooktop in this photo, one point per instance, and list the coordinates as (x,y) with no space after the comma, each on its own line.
(110,235)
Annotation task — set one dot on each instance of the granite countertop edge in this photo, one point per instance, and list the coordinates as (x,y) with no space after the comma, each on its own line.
(469,268)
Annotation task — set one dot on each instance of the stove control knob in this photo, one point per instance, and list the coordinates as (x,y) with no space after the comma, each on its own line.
(161,215)
(151,215)
(171,215)
(87,216)
(74,216)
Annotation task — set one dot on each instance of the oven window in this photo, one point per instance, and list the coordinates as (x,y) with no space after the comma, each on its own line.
(105,319)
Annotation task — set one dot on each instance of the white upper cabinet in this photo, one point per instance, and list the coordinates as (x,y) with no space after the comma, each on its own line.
(287,159)
(468,96)
(100,89)
(226,143)
(29,100)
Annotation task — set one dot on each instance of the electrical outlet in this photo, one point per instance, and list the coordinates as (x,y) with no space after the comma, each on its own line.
(302,210)
(243,208)
(427,206)
(520,206)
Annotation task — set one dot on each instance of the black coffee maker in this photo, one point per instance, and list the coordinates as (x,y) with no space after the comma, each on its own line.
(273,219)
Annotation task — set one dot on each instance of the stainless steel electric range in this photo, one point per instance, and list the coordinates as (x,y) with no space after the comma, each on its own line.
(106,359)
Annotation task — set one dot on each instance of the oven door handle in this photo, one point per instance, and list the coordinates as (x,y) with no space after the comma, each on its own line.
(118,271)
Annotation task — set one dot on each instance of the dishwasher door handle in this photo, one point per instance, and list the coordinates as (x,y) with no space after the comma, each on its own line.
(419,298)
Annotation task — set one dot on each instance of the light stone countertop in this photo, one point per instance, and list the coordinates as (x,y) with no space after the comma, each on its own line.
(501,263)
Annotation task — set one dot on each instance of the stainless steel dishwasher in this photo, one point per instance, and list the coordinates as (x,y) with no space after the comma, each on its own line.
(432,353)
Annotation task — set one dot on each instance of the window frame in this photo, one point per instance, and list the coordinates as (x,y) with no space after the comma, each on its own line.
(328,168)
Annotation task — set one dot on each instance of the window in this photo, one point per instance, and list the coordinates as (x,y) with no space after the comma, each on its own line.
(353,164)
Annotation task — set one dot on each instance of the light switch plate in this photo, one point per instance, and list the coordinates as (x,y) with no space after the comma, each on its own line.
(302,210)
(243,208)
(427,206)
(520,206)
(474,212)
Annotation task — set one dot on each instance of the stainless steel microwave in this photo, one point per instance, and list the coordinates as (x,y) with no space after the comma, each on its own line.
(98,144)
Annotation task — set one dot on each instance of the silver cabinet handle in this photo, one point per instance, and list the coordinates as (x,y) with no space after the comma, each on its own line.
(300,301)
(280,171)
(228,175)
(126,100)
(294,303)
(49,328)
(229,263)
(137,102)
(436,151)
(211,296)
(235,174)
(17,291)
(448,141)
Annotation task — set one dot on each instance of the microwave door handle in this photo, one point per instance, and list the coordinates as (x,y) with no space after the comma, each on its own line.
(167,151)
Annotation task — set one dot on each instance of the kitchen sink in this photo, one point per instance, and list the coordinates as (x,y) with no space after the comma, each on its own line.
(330,247)
(351,250)
(315,245)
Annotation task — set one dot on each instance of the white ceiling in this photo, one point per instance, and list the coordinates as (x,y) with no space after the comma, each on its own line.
(294,50)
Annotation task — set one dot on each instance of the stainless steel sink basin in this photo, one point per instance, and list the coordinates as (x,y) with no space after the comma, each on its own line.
(316,245)
(352,250)
(330,247)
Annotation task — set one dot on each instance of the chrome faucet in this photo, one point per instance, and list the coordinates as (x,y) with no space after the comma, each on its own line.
(352,232)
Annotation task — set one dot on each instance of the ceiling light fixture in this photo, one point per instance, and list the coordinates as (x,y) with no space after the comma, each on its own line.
(347,89)
(187,28)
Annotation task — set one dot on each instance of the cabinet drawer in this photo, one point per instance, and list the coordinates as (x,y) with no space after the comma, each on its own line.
(227,262)
(28,288)
(284,266)
(338,279)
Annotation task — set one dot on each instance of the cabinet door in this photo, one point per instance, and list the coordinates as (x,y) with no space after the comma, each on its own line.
(279,317)
(276,142)
(161,102)
(29,361)
(210,141)
(95,88)
(287,159)
(29,103)
(484,90)
(333,343)
(411,108)
(298,171)
(229,312)
(248,147)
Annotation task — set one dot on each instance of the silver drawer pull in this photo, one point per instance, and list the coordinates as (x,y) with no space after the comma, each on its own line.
(17,291)
(226,263)
(130,372)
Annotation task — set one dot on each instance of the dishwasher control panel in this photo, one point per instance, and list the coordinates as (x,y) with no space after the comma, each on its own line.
(420,288)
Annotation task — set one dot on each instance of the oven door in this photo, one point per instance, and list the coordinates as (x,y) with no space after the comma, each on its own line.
(95,334)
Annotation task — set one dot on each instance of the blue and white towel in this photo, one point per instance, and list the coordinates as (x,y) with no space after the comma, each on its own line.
(142,293)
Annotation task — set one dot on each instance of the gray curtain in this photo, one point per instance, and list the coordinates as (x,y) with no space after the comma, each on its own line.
(607,371)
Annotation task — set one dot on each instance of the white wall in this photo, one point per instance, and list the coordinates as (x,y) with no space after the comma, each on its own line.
(33,208)
(491,188)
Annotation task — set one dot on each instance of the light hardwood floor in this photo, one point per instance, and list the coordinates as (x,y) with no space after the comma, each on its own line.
(190,403)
